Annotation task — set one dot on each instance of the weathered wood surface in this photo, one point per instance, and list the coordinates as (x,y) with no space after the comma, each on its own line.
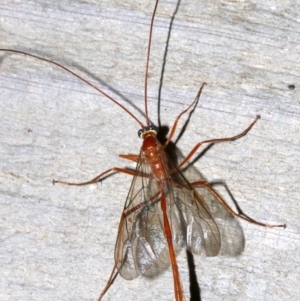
(57,242)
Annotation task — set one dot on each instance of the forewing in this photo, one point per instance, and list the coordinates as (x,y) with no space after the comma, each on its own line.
(141,238)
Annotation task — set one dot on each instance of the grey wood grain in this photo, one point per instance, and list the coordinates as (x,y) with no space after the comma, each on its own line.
(57,242)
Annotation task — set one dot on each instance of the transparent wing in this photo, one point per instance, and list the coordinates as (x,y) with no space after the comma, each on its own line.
(233,241)
(141,237)
(141,246)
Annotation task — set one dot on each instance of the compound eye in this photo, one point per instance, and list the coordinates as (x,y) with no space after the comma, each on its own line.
(140,132)
(152,128)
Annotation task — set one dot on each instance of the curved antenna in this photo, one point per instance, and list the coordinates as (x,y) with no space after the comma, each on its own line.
(79,77)
(147,62)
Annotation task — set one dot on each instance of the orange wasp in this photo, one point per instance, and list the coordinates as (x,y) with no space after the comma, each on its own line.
(163,211)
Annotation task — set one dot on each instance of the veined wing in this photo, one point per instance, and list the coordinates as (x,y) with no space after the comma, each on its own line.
(141,246)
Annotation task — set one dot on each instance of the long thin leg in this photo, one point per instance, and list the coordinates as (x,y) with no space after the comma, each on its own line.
(179,116)
(133,158)
(114,272)
(110,281)
(178,290)
(244,217)
(218,140)
(98,178)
